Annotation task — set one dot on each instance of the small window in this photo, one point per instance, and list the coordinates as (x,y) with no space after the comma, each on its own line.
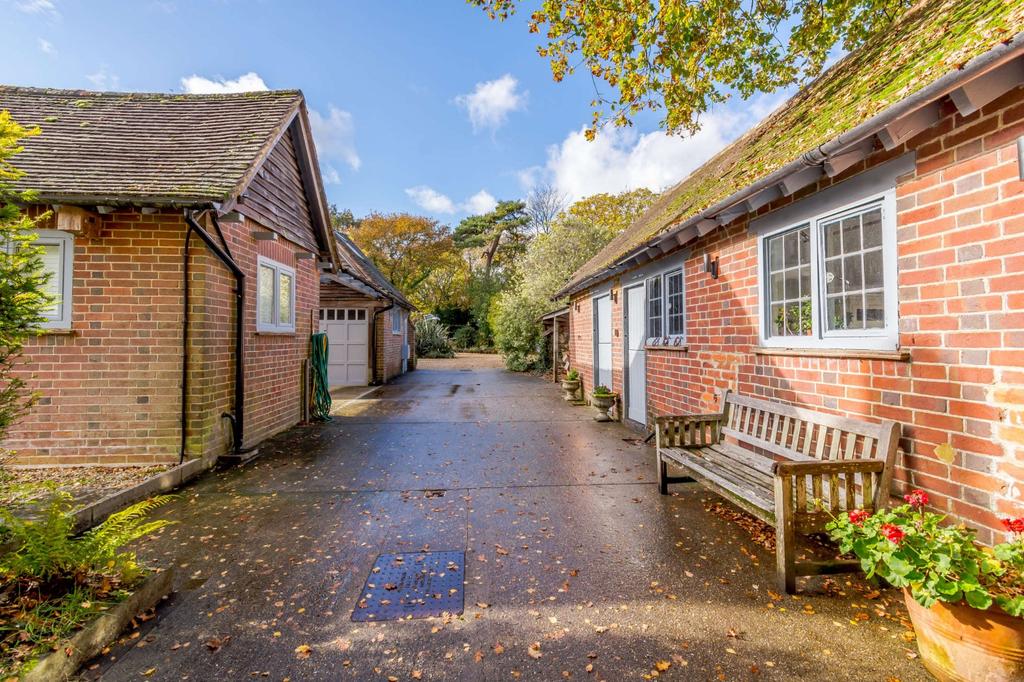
(58,250)
(396,320)
(674,311)
(824,281)
(654,304)
(361,314)
(275,305)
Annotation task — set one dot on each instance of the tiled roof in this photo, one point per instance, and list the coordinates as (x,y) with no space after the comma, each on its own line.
(144,148)
(363,268)
(931,40)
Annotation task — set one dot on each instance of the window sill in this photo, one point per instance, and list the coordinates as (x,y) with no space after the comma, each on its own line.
(58,331)
(272,332)
(841,353)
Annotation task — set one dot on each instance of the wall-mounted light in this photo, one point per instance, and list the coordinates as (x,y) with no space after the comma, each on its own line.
(615,295)
(711,266)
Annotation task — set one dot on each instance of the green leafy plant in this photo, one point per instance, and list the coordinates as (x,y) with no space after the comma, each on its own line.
(53,581)
(603,391)
(912,548)
(572,375)
(432,339)
(46,548)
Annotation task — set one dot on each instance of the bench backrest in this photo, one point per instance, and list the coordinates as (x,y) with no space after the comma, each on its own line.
(805,435)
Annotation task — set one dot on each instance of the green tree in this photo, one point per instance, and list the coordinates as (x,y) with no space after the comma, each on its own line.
(576,235)
(342,218)
(23,294)
(683,57)
(501,234)
(406,248)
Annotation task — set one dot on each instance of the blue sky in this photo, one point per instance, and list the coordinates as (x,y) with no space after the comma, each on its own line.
(428,107)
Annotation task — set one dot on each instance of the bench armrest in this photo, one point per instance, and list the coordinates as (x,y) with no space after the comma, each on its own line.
(851,466)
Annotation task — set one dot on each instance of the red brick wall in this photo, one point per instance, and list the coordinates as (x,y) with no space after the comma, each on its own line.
(389,348)
(111,389)
(960,226)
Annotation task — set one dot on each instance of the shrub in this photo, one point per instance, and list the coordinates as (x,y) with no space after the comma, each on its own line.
(517,333)
(432,340)
(572,375)
(603,390)
(464,337)
(52,581)
(912,548)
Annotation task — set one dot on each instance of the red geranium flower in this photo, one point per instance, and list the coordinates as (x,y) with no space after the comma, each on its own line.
(858,516)
(1014,525)
(893,532)
(916,498)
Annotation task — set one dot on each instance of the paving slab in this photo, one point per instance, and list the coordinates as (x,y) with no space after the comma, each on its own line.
(575,566)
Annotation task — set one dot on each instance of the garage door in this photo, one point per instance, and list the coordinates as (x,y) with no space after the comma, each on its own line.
(348,339)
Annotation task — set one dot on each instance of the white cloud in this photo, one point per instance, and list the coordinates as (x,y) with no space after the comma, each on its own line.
(38,7)
(335,136)
(247,82)
(481,202)
(47,47)
(621,159)
(430,199)
(330,174)
(491,102)
(104,79)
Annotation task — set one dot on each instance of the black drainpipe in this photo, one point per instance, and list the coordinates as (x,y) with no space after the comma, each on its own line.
(237,416)
(373,342)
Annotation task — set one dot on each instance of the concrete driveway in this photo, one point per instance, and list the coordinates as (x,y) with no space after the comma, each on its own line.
(575,566)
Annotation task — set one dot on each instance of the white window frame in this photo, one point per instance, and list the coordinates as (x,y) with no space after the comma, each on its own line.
(665,338)
(61,317)
(886,338)
(396,321)
(279,268)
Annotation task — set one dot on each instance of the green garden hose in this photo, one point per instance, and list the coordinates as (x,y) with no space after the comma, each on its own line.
(320,400)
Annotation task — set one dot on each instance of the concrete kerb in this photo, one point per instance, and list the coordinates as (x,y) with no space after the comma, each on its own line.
(98,511)
(66,659)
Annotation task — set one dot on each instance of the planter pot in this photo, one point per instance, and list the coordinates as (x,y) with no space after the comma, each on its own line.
(958,642)
(603,403)
(571,388)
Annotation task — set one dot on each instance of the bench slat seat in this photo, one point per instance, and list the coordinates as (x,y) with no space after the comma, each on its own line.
(789,466)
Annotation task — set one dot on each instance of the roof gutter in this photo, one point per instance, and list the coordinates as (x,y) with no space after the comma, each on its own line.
(818,156)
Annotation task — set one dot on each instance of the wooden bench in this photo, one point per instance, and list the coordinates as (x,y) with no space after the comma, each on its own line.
(786,465)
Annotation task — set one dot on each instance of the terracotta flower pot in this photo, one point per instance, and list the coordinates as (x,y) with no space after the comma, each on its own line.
(571,388)
(602,403)
(958,642)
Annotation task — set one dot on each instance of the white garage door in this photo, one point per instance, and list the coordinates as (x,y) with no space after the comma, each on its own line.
(348,339)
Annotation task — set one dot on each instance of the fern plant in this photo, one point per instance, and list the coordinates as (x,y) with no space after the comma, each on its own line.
(46,549)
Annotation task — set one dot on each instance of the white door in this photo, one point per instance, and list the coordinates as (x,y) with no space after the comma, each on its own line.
(348,339)
(603,340)
(405,342)
(636,366)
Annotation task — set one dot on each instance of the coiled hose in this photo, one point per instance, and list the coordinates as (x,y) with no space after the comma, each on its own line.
(320,401)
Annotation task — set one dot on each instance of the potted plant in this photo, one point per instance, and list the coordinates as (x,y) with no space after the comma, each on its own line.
(571,385)
(966,601)
(603,399)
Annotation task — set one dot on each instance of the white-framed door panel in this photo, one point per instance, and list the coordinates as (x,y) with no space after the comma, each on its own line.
(603,341)
(635,360)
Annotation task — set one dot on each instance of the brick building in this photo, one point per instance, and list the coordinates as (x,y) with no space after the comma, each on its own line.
(366,319)
(860,252)
(162,209)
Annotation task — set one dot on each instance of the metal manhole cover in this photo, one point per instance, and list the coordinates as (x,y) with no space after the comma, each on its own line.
(413,585)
